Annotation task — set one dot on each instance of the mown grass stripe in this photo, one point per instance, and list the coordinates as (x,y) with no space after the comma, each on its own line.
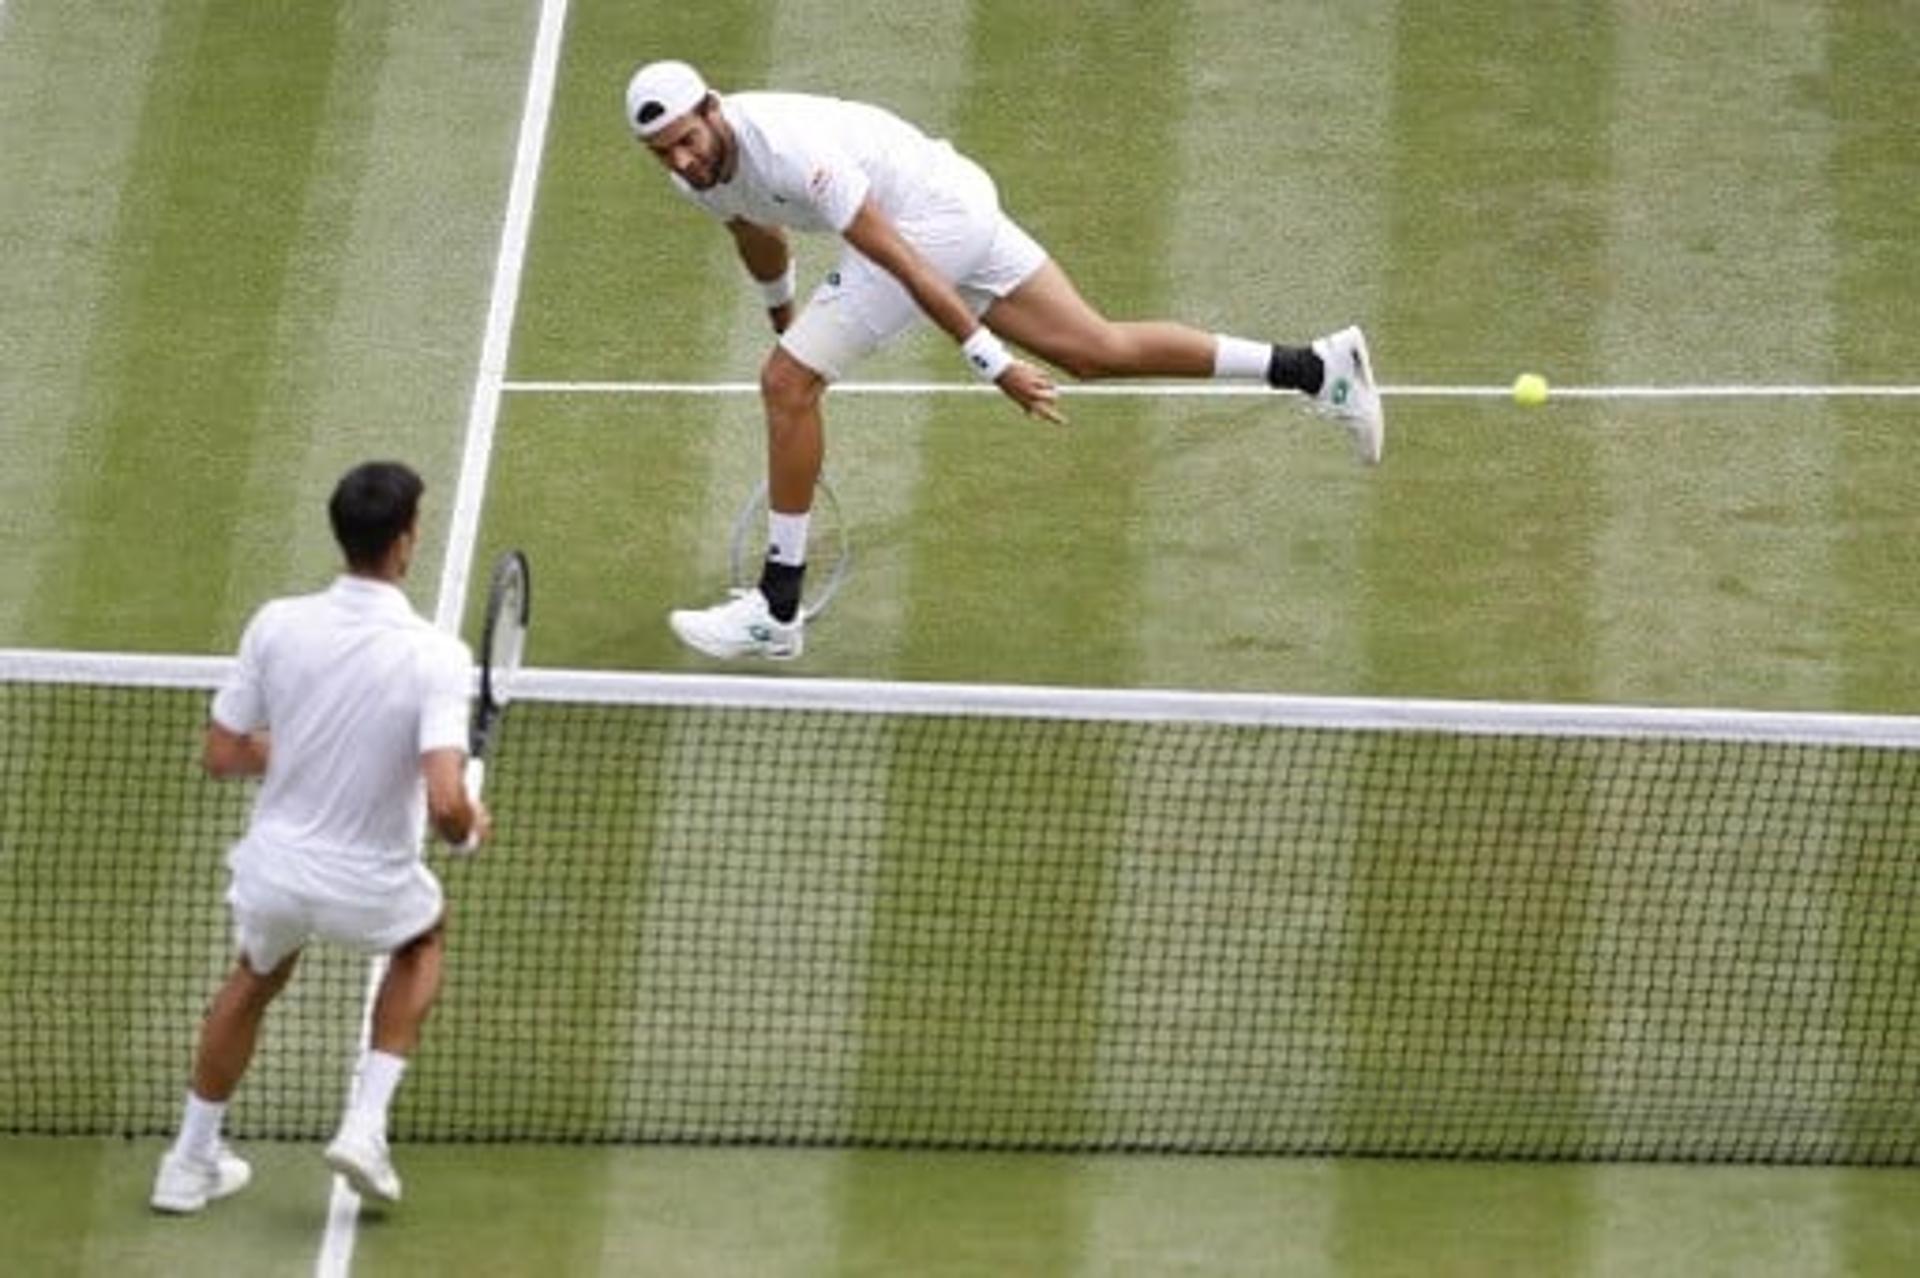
(1711,566)
(1248,528)
(183,354)
(998,491)
(380,332)
(1871,98)
(280,515)
(1714,561)
(1745,1220)
(1004,1037)
(1252,509)
(71,84)
(1497,172)
(1466,908)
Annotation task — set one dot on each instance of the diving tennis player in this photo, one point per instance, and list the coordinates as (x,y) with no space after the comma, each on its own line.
(922,234)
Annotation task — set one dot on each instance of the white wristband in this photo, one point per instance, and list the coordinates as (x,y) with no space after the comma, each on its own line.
(777,293)
(985,354)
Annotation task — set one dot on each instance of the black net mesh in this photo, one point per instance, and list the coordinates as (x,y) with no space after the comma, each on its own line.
(786,924)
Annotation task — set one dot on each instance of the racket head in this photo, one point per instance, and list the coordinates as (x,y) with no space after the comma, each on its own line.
(503,642)
(829,552)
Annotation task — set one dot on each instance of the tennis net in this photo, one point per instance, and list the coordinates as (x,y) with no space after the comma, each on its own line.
(800,911)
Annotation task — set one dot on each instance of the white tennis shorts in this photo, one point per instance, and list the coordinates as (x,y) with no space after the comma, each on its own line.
(859,307)
(273,917)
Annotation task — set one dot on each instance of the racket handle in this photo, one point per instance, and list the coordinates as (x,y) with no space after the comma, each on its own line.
(476,779)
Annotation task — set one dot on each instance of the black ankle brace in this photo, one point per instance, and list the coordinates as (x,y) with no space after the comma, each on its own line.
(1296,368)
(780,583)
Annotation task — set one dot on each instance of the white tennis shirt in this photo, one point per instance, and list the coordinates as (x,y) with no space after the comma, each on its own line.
(354,686)
(807,163)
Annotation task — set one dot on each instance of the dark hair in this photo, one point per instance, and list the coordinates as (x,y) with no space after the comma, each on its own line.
(371,506)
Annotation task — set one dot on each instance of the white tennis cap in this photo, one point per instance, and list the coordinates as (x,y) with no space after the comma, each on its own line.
(661,92)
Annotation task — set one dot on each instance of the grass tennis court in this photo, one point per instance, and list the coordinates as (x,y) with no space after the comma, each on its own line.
(252,243)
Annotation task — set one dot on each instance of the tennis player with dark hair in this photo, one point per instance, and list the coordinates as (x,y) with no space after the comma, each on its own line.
(354,709)
(922,235)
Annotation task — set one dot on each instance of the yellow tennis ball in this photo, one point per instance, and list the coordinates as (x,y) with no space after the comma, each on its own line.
(1530,389)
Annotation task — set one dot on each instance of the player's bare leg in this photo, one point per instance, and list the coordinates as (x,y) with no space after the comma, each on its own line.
(796,435)
(768,622)
(796,446)
(199,1168)
(232,1028)
(1047,315)
(407,994)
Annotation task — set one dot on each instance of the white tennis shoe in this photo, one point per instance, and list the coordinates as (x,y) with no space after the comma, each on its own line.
(1348,394)
(186,1184)
(359,1152)
(743,626)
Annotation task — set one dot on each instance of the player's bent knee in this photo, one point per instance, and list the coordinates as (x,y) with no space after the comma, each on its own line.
(787,384)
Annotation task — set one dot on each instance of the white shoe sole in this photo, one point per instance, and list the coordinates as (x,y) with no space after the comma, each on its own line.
(343,1162)
(178,1206)
(190,1204)
(688,632)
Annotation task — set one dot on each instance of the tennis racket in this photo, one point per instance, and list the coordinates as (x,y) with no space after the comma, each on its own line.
(829,553)
(503,642)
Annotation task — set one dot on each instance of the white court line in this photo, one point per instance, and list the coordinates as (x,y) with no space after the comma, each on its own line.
(483,414)
(1205,389)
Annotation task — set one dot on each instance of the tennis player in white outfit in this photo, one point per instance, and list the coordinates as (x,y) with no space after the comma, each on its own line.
(354,709)
(923,235)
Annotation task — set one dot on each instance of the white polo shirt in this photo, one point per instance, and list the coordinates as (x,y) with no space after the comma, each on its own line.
(354,686)
(807,163)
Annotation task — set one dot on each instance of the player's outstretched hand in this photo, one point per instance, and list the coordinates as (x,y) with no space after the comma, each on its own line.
(1033,390)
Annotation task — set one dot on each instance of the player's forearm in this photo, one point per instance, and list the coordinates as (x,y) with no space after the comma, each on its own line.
(763,250)
(873,235)
(226,754)
(451,811)
(939,301)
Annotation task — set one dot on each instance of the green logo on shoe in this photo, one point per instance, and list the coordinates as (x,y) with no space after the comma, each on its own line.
(1342,392)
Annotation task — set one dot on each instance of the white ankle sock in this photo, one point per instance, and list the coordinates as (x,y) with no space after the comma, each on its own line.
(380,1074)
(787,537)
(1236,357)
(200,1127)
